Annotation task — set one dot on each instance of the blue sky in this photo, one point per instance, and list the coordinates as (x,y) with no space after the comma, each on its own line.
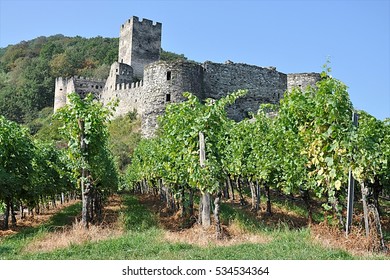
(294,36)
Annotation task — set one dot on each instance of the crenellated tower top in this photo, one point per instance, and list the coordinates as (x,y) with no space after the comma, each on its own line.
(139,44)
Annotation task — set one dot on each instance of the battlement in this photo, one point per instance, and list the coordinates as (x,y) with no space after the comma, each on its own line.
(139,44)
(81,78)
(145,22)
(60,80)
(123,86)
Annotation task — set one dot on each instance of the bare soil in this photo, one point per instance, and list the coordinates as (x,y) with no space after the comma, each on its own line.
(187,230)
(73,233)
(30,221)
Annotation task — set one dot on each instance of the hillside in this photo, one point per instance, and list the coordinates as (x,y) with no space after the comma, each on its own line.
(29,68)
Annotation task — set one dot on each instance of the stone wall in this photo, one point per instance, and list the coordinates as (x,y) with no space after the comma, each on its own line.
(83,86)
(125,41)
(130,99)
(139,44)
(164,83)
(302,80)
(119,73)
(80,85)
(264,85)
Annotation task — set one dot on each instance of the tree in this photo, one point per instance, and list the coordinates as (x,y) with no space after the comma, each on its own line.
(370,164)
(181,128)
(85,126)
(124,135)
(11,105)
(16,155)
(385,147)
(290,159)
(317,130)
(170,56)
(328,138)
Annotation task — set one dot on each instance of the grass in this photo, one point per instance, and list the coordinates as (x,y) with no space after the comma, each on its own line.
(148,245)
(143,238)
(11,247)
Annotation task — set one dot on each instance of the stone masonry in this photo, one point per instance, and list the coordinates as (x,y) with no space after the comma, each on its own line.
(143,83)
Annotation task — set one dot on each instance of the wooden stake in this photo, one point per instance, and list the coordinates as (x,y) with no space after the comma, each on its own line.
(351,186)
(206,221)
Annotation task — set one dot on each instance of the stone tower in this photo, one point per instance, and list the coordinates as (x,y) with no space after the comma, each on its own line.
(60,93)
(139,44)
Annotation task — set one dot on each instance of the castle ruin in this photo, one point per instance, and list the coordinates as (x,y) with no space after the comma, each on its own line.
(141,82)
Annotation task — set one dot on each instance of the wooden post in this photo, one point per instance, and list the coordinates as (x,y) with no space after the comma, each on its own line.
(84,191)
(365,207)
(206,220)
(218,228)
(230,186)
(202,149)
(351,186)
(258,194)
(351,191)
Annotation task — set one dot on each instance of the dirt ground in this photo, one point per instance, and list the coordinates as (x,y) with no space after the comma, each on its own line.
(32,221)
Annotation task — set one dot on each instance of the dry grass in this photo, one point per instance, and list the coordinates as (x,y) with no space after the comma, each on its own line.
(76,234)
(231,235)
(72,235)
(8,232)
(356,242)
(185,230)
(35,220)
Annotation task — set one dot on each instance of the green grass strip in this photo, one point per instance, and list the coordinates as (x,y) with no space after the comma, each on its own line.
(144,239)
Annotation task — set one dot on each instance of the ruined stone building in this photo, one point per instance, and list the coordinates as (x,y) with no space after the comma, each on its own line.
(142,82)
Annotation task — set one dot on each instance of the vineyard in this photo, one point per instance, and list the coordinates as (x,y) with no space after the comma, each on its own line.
(301,151)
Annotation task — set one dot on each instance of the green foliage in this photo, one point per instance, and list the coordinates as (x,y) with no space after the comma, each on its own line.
(249,151)
(292,115)
(29,171)
(315,132)
(329,136)
(16,155)
(124,135)
(174,156)
(369,159)
(306,144)
(96,157)
(11,105)
(170,56)
(371,153)
(146,162)
(42,120)
(95,118)
(28,70)
(385,147)
(51,175)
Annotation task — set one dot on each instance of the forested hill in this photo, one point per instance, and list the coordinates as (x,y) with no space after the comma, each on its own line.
(29,68)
